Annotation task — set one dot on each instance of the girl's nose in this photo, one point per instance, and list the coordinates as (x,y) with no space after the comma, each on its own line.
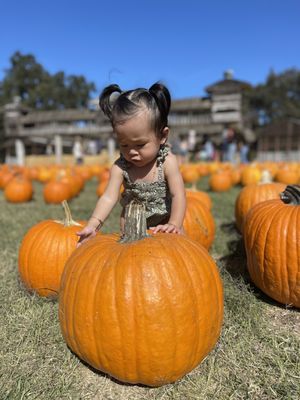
(133,151)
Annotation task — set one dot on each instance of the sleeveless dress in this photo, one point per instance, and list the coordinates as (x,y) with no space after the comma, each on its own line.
(155,195)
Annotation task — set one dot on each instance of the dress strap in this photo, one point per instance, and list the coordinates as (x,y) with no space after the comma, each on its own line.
(162,154)
(161,157)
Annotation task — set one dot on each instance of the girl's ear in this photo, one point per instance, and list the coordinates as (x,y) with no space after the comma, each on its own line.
(164,135)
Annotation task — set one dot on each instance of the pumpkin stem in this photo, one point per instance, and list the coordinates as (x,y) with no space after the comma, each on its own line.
(266,177)
(68,220)
(291,195)
(135,222)
(194,187)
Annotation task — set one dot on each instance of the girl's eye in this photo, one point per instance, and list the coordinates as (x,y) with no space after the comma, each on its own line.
(123,145)
(141,145)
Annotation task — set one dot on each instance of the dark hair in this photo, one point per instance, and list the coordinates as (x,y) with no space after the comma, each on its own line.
(120,105)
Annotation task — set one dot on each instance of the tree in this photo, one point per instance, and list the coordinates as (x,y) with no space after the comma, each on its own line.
(39,89)
(277,98)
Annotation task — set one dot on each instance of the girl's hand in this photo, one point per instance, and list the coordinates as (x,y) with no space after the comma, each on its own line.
(85,234)
(167,228)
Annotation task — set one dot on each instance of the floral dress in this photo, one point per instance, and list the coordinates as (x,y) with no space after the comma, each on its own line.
(155,195)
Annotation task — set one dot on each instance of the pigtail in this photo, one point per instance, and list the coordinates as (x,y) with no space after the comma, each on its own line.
(162,98)
(107,99)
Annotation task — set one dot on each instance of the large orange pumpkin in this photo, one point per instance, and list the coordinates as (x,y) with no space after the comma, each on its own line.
(271,233)
(146,311)
(44,250)
(198,222)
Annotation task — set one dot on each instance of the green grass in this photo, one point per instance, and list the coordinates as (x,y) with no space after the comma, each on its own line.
(257,356)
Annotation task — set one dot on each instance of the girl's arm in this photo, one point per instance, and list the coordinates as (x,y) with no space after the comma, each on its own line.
(104,205)
(176,186)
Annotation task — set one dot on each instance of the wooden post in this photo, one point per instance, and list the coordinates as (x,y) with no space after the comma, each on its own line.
(20,152)
(58,149)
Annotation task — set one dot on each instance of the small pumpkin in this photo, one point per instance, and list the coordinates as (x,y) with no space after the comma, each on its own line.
(43,252)
(220,181)
(271,234)
(190,173)
(145,310)
(250,174)
(18,190)
(56,191)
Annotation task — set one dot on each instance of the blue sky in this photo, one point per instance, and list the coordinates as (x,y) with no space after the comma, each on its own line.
(186,44)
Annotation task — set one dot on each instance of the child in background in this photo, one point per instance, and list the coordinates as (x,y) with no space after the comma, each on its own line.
(146,167)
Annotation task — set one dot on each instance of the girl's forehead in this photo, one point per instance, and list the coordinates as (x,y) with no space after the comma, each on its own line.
(135,125)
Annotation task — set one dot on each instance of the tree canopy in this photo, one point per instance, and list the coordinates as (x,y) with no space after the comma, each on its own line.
(277,98)
(39,89)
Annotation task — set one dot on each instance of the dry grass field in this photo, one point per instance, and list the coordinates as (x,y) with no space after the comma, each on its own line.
(257,356)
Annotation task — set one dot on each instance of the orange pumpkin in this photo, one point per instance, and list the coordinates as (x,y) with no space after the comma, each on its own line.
(18,190)
(253,194)
(271,233)
(144,311)
(5,177)
(220,181)
(198,222)
(288,176)
(44,251)
(190,173)
(250,174)
(55,192)
(101,187)
(201,196)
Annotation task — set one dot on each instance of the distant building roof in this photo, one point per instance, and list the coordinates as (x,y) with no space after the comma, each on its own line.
(227,85)
(192,103)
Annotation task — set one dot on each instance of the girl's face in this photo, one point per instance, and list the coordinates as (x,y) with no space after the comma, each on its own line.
(138,142)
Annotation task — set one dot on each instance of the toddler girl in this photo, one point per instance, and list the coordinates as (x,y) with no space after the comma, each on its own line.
(147,169)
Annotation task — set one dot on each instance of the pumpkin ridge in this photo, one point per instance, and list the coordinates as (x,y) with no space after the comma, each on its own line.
(200,344)
(24,255)
(174,353)
(194,351)
(79,273)
(212,273)
(285,218)
(146,337)
(101,356)
(134,331)
(297,277)
(123,253)
(294,256)
(253,230)
(269,218)
(90,255)
(33,255)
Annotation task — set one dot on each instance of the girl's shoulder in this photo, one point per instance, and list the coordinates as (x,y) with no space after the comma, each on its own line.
(171,163)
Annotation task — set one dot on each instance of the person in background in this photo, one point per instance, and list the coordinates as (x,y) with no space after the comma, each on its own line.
(231,146)
(78,151)
(147,169)
(244,151)
(208,148)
